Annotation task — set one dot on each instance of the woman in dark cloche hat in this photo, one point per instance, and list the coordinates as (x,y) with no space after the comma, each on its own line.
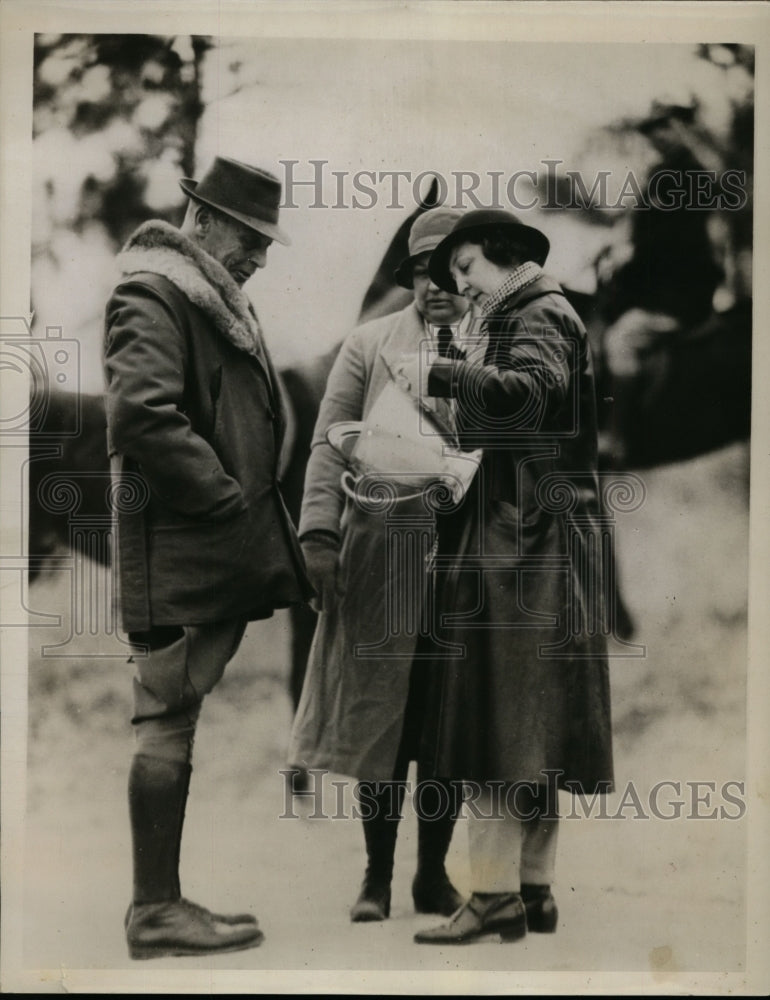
(524,704)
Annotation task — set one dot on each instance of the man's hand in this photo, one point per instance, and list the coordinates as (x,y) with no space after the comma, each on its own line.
(321,552)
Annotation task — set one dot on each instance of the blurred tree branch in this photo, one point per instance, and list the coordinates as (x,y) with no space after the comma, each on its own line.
(115,123)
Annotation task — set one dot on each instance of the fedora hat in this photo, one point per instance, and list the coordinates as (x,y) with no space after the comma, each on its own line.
(245,193)
(427,231)
(476,224)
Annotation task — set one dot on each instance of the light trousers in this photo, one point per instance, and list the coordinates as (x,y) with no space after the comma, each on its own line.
(505,850)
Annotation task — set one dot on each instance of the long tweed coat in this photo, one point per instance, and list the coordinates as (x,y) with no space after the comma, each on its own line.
(194,423)
(351,712)
(526,690)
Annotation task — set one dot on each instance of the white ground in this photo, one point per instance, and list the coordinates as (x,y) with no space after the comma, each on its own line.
(650,895)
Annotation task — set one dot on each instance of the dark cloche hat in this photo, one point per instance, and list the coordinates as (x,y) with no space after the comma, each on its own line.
(478,223)
(245,193)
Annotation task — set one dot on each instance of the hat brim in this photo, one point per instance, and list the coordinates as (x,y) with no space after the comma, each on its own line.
(188,185)
(438,268)
(403,274)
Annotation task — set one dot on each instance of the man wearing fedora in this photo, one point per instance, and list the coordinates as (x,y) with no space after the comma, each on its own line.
(363,704)
(194,424)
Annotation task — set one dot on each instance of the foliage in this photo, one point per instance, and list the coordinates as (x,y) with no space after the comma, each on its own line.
(114,127)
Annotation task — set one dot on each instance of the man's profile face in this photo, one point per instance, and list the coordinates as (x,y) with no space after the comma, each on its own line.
(437,306)
(239,249)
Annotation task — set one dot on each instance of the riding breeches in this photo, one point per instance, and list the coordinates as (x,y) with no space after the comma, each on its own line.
(175,668)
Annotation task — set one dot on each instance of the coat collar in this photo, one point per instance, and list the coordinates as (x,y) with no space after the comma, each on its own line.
(160,248)
(409,329)
(544,285)
(405,336)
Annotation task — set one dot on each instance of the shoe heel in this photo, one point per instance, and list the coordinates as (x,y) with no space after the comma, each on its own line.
(543,923)
(514,932)
(542,912)
(371,905)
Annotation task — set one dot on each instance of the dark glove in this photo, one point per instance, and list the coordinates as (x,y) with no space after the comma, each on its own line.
(321,552)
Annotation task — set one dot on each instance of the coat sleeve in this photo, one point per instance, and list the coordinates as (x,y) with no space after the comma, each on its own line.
(145,355)
(529,381)
(323,499)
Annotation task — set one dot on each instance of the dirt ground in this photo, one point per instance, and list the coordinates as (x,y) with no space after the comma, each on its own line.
(637,894)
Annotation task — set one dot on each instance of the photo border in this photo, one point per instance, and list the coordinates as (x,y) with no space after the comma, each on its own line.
(610,22)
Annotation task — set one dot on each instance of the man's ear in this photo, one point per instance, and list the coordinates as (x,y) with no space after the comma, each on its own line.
(203,220)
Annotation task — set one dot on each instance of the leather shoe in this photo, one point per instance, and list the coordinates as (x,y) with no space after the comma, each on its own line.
(435,895)
(499,913)
(219,918)
(373,902)
(223,918)
(542,912)
(178,927)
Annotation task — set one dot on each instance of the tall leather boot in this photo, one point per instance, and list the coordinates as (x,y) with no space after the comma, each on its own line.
(159,921)
(157,794)
(437,804)
(380,831)
(184,792)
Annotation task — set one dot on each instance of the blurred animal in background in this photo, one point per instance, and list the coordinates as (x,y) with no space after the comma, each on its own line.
(62,461)
(137,100)
(671,321)
(692,395)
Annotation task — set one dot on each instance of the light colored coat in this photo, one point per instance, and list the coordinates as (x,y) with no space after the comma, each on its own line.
(350,715)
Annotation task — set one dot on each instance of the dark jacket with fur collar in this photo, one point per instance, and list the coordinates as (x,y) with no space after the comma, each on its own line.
(195,425)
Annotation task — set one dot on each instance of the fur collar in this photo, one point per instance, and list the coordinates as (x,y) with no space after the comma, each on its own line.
(162,249)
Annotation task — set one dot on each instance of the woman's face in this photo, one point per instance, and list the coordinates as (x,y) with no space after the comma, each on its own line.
(476,277)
